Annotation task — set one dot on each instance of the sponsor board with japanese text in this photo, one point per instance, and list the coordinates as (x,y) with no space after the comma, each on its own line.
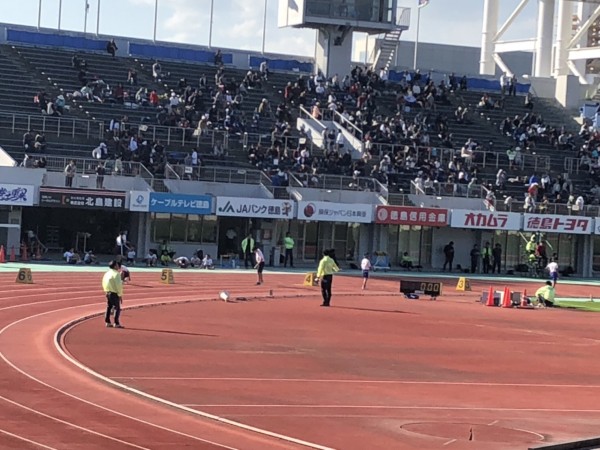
(549,223)
(409,215)
(336,212)
(255,207)
(80,198)
(161,202)
(485,220)
(16,194)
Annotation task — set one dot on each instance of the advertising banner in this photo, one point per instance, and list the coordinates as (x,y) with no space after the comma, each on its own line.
(16,194)
(485,220)
(336,212)
(549,223)
(255,207)
(411,215)
(80,198)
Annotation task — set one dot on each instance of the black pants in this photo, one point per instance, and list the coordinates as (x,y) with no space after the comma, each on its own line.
(448,262)
(486,264)
(496,265)
(326,283)
(474,264)
(113,301)
(547,303)
(289,255)
(248,260)
(68,181)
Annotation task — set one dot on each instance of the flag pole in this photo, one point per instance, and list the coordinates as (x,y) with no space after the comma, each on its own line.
(264,36)
(210,24)
(155,21)
(417,38)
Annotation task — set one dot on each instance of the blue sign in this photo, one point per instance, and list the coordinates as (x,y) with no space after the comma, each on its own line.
(161,202)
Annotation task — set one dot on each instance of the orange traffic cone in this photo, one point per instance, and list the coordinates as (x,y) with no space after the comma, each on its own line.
(507,300)
(13,258)
(490,299)
(2,255)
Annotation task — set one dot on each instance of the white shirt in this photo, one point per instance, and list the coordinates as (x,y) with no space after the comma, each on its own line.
(195,158)
(258,254)
(365,264)
(68,255)
(552,267)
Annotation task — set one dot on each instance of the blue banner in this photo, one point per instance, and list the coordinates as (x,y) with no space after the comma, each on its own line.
(162,202)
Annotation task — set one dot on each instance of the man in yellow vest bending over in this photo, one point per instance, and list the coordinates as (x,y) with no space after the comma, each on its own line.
(545,295)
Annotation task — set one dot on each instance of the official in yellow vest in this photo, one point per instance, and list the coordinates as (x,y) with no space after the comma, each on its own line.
(288,243)
(247,249)
(545,295)
(327,267)
(112,284)
(486,257)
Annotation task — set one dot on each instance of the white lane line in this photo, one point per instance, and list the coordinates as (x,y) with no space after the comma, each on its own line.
(64,422)
(31,377)
(408,382)
(434,408)
(493,423)
(24,439)
(451,441)
(206,415)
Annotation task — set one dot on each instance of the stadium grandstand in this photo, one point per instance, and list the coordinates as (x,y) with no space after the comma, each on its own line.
(380,154)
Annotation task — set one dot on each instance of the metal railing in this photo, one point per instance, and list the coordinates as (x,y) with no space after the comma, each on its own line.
(87,166)
(334,182)
(562,209)
(348,125)
(214,174)
(448,190)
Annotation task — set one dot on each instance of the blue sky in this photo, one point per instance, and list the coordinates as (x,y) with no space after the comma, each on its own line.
(238,23)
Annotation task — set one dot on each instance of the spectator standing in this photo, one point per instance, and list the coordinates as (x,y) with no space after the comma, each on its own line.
(112,284)
(70,171)
(111,47)
(100,172)
(288,243)
(327,267)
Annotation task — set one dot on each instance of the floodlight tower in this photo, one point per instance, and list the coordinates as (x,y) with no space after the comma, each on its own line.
(337,20)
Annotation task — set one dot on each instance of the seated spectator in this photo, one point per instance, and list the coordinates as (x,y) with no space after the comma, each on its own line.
(207,263)
(89,258)
(71,256)
(131,255)
(406,261)
(151,258)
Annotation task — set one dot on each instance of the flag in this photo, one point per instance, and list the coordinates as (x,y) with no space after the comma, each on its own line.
(423,3)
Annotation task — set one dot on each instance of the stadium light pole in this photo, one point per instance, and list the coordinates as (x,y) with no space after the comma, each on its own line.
(155,19)
(39,14)
(98,20)
(264,29)
(210,24)
(417,38)
(59,13)
(87,7)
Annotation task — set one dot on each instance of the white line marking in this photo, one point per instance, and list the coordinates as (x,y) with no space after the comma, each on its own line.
(306,380)
(31,377)
(206,415)
(64,422)
(451,441)
(26,440)
(441,408)
(493,423)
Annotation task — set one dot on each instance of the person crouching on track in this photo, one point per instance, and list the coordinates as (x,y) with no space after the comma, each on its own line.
(260,263)
(327,267)
(125,275)
(113,288)
(545,295)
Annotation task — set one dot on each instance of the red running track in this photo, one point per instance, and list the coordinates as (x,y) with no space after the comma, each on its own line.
(373,372)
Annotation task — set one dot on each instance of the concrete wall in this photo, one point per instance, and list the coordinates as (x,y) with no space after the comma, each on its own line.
(337,196)
(463,243)
(431,201)
(216,189)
